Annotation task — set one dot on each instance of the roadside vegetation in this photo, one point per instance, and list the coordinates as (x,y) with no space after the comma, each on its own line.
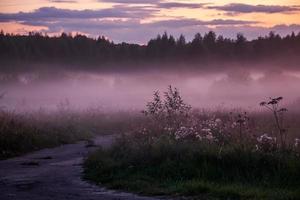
(180,151)
(22,132)
(171,148)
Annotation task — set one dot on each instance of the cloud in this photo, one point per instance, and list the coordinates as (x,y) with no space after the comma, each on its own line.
(217,22)
(52,13)
(131,1)
(125,23)
(51,16)
(142,34)
(169,5)
(89,25)
(246,8)
(158,3)
(82,25)
(194,22)
(63,1)
(132,30)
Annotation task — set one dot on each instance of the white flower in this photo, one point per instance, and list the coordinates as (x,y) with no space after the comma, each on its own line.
(234,124)
(297,142)
(184,132)
(266,138)
(199,137)
(209,136)
(266,143)
(207,130)
(218,121)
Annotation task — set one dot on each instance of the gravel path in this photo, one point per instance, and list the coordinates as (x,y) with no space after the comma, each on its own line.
(54,174)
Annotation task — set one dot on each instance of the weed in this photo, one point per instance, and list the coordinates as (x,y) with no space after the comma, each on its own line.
(179,151)
(274,107)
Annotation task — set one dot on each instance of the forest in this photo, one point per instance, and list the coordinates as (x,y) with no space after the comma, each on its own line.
(82,51)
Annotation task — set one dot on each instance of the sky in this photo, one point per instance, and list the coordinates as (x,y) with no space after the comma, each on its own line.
(136,21)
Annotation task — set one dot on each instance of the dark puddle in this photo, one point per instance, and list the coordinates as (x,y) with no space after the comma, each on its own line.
(26,185)
(30,163)
(46,158)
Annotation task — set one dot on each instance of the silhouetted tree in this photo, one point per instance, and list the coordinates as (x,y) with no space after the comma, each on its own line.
(240,45)
(80,49)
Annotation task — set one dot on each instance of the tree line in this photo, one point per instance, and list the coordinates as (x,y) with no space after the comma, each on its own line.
(80,49)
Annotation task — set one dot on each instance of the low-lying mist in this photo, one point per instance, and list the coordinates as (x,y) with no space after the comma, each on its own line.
(229,88)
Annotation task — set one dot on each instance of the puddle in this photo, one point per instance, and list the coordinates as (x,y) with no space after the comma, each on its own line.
(30,163)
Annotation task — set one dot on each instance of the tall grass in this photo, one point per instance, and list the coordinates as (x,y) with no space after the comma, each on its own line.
(22,132)
(182,151)
(164,166)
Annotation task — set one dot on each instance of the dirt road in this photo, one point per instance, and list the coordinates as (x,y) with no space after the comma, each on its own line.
(54,174)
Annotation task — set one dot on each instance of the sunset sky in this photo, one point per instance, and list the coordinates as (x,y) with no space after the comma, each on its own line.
(138,21)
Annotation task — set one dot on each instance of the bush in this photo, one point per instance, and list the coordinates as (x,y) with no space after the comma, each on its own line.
(180,151)
(164,163)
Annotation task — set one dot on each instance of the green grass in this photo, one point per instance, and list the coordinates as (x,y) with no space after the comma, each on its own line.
(198,189)
(163,166)
(21,133)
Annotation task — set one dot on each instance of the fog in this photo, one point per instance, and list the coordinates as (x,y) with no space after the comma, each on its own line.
(231,88)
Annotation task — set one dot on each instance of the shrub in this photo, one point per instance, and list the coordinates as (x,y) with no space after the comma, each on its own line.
(177,146)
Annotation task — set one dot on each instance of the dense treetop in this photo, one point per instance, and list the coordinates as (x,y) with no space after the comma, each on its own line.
(80,49)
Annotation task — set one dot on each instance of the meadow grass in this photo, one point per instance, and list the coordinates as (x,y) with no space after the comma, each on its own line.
(168,167)
(179,151)
(172,149)
(22,132)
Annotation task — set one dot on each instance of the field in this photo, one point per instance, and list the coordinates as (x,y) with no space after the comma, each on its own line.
(179,151)
(23,132)
(172,149)
(146,100)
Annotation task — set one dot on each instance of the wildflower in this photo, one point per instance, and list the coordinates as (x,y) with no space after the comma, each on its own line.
(177,137)
(233,125)
(206,130)
(266,143)
(209,136)
(265,137)
(218,121)
(199,137)
(297,142)
(144,131)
